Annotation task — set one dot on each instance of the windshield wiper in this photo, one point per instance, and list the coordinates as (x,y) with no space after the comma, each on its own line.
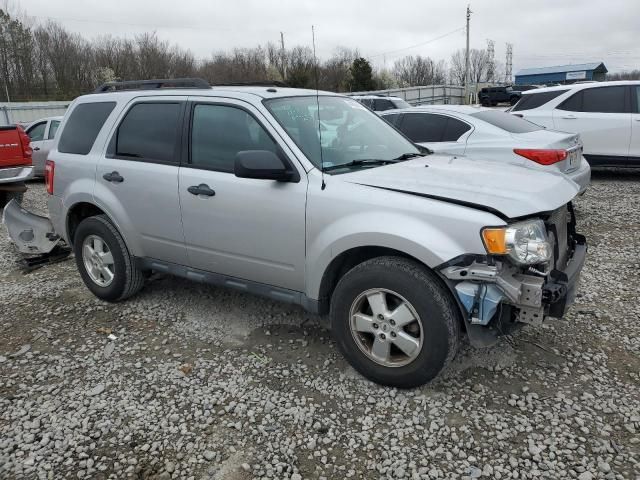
(360,162)
(407,156)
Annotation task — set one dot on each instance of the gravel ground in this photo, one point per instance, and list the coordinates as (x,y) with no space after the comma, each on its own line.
(201,382)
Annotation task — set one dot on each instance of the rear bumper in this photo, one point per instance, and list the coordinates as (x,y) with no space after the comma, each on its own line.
(15,174)
(581,176)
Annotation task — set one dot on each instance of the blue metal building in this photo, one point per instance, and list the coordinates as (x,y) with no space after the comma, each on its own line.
(561,74)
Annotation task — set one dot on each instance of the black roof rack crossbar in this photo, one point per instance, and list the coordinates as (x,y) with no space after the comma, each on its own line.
(154,83)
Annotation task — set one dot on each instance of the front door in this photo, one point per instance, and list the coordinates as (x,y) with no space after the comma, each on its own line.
(245,228)
(37,135)
(137,179)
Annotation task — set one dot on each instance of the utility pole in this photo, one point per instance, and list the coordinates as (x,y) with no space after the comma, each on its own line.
(491,69)
(467,76)
(282,57)
(508,67)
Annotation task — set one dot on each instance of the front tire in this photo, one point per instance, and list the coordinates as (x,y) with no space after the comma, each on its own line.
(395,322)
(104,262)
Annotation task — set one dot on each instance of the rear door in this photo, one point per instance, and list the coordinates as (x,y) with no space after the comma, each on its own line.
(437,132)
(602,117)
(244,228)
(634,148)
(138,176)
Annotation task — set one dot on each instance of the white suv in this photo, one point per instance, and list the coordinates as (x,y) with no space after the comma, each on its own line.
(605,114)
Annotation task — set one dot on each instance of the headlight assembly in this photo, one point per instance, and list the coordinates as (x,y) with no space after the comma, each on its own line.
(525,242)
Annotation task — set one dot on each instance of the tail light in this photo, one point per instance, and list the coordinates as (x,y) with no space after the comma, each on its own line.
(541,156)
(49,171)
(25,143)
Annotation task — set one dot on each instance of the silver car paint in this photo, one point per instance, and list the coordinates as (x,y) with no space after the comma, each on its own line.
(345,215)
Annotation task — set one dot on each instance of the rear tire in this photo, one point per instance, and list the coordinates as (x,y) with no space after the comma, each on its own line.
(104,262)
(421,322)
(6,197)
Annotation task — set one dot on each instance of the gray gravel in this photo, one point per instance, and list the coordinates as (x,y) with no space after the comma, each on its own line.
(201,382)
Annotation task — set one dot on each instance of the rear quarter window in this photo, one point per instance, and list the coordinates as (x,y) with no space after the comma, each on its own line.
(83,127)
(506,121)
(535,100)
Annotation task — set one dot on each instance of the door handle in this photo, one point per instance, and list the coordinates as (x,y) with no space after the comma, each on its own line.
(202,189)
(36,149)
(113,177)
(569,117)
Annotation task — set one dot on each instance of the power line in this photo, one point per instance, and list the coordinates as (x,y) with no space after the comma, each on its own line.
(417,44)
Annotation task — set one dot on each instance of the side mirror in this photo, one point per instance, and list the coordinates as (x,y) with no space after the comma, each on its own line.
(263,165)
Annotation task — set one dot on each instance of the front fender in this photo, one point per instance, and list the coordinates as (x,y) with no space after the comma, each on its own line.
(419,239)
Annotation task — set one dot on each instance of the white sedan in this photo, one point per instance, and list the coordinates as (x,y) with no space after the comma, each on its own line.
(489,134)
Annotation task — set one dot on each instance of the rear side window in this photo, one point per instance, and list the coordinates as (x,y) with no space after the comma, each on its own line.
(454,130)
(219,132)
(83,127)
(637,91)
(506,121)
(53,129)
(597,100)
(424,127)
(149,132)
(535,100)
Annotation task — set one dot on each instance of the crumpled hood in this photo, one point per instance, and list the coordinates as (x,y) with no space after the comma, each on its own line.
(509,190)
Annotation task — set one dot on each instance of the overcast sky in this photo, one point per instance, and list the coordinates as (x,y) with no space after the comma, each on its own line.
(543,32)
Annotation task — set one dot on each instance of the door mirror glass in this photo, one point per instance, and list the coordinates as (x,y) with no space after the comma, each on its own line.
(261,164)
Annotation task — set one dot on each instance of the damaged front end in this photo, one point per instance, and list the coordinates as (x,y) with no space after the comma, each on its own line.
(32,234)
(497,292)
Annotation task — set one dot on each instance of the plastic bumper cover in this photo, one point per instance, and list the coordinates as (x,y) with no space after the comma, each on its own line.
(15,174)
(31,233)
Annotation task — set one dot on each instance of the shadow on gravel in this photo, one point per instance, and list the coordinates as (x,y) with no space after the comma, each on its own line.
(616,174)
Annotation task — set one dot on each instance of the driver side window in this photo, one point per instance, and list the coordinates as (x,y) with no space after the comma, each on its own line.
(36,133)
(219,132)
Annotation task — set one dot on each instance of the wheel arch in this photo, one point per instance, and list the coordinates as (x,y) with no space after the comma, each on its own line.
(349,259)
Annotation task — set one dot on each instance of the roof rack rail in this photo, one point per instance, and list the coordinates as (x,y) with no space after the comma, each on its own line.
(257,83)
(153,83)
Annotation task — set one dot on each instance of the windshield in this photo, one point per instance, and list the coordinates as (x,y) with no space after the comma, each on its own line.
(340,133)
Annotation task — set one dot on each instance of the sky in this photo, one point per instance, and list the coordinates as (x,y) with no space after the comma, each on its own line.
(543,32)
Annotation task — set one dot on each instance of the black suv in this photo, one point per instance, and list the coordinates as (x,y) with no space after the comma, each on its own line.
(491,96)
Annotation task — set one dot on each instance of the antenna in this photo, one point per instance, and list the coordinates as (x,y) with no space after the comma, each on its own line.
(315,61)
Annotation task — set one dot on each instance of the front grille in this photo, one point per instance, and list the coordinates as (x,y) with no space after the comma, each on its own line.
(558,230)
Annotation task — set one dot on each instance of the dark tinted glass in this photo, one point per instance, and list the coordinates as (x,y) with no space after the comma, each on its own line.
(424,127)
(573,103)
(392,118)
(454,130)
(506,121)
(604,100)
(382,105)
(149,131)
(83,127)
(535,100)
(36,133)
(637,110)
(218,133)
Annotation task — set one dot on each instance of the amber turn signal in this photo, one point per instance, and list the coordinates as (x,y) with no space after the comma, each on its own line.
(494,240)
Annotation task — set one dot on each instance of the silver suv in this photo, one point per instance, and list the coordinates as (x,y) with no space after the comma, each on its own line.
(309,198)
